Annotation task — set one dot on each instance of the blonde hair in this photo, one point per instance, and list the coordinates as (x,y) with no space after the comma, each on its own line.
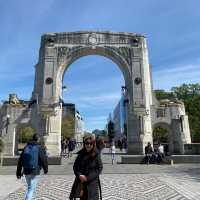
(91,137)
(88,136)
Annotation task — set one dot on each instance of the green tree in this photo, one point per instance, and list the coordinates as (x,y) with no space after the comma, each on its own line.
(190,95)
(192,106)
(103,133)
(68,127)
(162,94)
(111,130)
(186,91)
(25,134)
(99,132)
(160,134)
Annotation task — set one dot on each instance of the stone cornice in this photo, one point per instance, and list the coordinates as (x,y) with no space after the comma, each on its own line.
(92,38)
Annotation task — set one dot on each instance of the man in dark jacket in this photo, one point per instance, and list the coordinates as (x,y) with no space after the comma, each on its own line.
(148,153)
(31,172)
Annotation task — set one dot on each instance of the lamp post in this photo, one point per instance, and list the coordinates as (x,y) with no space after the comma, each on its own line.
(7,122)
(64,89)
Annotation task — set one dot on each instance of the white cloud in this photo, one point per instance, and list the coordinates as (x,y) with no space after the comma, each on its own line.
(166,78)
(179,69)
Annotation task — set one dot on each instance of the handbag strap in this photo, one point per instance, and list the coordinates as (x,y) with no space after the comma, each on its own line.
(100,188)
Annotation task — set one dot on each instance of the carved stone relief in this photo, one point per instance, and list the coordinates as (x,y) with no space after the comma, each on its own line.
(125,52)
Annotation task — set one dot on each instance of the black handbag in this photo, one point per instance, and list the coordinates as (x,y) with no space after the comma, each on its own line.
(78,190)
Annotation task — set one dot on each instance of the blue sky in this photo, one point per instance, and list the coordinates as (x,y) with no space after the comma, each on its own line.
(172,29)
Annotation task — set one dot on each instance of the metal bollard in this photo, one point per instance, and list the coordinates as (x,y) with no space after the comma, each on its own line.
(172,162)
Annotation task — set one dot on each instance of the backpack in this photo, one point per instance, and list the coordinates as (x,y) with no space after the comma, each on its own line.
(30,157)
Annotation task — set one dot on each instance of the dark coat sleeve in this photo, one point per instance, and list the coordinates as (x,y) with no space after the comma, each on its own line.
(145,149)
(93,174)
(76,166)
(19,165)
(43,162)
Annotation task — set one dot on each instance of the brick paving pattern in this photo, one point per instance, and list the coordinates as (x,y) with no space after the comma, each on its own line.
(119,182)
(116,187)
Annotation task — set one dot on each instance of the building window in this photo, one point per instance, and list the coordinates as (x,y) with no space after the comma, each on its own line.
(160,112)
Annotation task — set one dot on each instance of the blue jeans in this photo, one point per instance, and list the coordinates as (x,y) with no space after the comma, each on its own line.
(31,181)
(113,157)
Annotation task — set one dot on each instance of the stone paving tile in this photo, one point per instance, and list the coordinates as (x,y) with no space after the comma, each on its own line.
(119,181)
(185,184)
(117,187)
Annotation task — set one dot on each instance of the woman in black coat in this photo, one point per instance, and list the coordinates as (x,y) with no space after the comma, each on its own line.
(87,167)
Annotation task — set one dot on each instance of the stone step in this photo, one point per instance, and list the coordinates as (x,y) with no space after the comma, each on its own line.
(173,159)
(12,160)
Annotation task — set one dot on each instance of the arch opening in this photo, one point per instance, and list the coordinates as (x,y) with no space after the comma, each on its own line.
(95,90)
(162,134)
(98,51)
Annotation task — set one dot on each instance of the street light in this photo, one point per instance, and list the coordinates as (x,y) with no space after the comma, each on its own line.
(7,122)
(64,89)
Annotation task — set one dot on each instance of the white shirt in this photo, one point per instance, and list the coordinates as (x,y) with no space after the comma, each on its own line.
(161,149)
(113,150)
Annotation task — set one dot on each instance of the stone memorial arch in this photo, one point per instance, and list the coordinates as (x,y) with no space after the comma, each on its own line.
(59,50)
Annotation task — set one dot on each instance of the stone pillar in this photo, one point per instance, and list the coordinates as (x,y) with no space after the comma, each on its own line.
(139,120)
(53,133)
(46,116)
(134,138)
(186,137)
(178,146)
(9,131)
(9,142)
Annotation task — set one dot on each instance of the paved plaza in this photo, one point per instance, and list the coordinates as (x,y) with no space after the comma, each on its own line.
(119,182)
(118,187)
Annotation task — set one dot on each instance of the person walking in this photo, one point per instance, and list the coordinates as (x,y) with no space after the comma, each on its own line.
(113,151)
(31,160)
(161,153)
(66,141)
(71,146)
(119,143)
(87,168)
(62,147)
(100,144)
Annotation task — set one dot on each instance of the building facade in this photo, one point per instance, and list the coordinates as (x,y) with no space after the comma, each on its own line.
(70,110)
(167,114)
(16,113)
(119,117)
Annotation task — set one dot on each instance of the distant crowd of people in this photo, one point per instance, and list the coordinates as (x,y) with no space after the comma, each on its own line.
(122,143)
(67,147)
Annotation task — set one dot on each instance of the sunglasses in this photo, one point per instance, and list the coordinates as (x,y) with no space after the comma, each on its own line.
(88,143)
